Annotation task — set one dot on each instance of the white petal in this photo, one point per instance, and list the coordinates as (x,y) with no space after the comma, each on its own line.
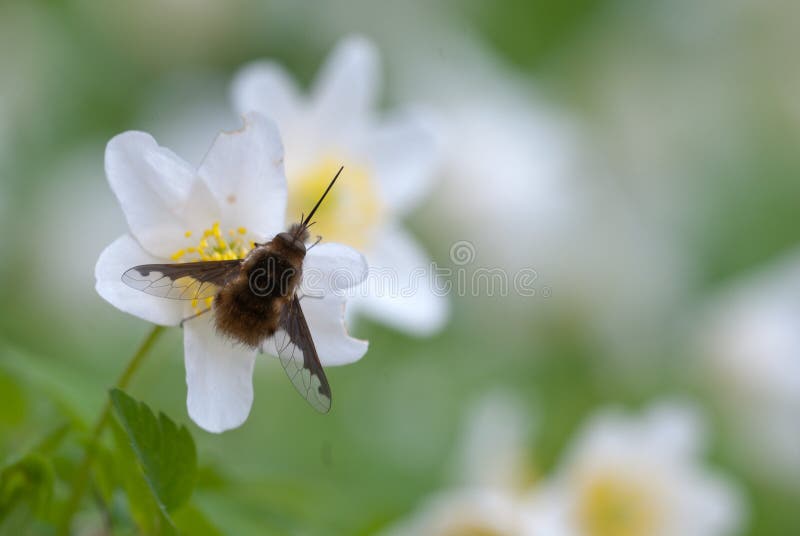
(154,188)
(244,171)
(709,504)
(126,253)
(494,444)
(675,428)
(219,377)
(345,88)
(325,317)
(464,511)
(399,290)
(265,87)
(332,268)
(404,154)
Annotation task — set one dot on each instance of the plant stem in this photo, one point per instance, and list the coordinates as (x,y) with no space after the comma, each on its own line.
(82,477)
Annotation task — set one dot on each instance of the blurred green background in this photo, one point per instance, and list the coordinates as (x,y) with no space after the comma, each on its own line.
(689,121)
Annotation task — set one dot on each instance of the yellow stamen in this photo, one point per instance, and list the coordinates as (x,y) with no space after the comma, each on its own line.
(187,234)
(217,249)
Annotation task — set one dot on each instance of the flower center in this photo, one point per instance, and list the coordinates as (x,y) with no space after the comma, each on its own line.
(470,529)
(614,506)
(214,245)
(351,212)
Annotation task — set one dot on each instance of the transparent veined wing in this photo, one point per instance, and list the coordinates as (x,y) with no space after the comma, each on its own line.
(182,281)
(298,355)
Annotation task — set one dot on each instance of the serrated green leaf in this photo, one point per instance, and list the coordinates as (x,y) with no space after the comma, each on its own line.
(147,513)
(166,452)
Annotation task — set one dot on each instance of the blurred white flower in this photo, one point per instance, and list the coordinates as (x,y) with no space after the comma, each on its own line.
(169,206)
(522,183)
(510,157)
(389,165)
(638,476)
(493,477)
(750,336)
(469,511)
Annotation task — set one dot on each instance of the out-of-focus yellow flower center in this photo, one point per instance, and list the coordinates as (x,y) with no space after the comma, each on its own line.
(351,212)
(214,245)
(615,506)
(468,529)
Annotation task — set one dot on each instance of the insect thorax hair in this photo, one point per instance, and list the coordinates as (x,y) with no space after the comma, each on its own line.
(248,308)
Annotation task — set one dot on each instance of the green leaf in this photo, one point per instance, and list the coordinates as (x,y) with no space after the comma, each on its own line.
(165,452)
(122,466)
(190,520)
(26,488)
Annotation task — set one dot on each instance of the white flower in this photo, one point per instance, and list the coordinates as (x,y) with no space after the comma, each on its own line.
(493,475)
(173,212)
(638,477)
(750,338)
(521,179)
(468,511)
(509,160)
(389,165)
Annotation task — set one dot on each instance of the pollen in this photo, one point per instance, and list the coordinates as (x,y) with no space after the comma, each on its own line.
(213,247)
(352,211)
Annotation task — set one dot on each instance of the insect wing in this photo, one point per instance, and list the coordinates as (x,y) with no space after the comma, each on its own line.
(183,281)
(298,355)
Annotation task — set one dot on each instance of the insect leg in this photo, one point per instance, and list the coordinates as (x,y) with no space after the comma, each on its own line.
(315,297)
(319,239)
(194,316)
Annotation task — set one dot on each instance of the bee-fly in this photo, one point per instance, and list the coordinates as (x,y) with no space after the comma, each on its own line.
(254,298)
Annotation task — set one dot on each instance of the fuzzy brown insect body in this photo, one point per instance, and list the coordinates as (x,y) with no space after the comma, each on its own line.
(249,306)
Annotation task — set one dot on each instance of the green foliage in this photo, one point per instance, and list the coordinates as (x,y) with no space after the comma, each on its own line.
(26,488)
(526,32)
(14,406)
(190,520)
(122,467)
(165,452)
